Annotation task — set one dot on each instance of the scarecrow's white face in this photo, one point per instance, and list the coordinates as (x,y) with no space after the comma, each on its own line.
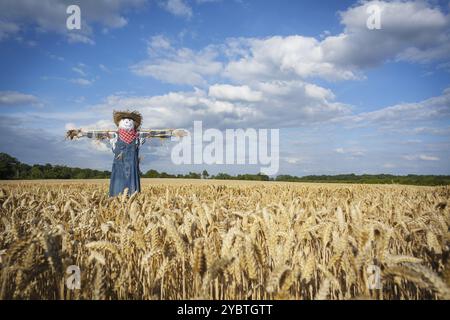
(126,124)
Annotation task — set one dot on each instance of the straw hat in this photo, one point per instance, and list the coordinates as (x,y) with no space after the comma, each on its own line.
(134,115)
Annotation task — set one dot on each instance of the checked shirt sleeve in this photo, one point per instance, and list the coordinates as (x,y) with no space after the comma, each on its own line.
(98,135)
(162,134)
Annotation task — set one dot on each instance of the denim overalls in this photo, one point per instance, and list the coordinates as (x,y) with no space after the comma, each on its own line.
(125,169)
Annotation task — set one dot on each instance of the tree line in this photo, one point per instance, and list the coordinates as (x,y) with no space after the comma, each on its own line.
(410,179)
(11,168)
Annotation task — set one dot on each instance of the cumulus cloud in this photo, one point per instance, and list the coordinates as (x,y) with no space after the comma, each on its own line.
(178,66)
(264,104)
(14,98)
(277,101)
(281,58)
(414,31)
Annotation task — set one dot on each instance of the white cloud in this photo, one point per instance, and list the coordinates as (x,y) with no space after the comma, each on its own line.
(234,93)
(70,126)
(100,125)
(178,8)
(104,68)
(178,66)
(432,130)
(13,98)
(353,152)
(423,157)
(281,58)
(293,160)
(429,109)
(79,71)
(158,42)
(100,146)
(75,37)
(81,81)
(428,158)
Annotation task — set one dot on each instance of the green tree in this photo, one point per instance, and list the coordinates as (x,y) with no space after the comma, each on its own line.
(151,174)
(9,166)
(36,173)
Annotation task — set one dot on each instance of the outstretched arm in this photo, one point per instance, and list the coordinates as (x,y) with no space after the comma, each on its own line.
(91,134)
(161,134)
(108,136)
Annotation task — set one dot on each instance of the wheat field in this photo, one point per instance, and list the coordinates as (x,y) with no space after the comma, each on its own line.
(182,239)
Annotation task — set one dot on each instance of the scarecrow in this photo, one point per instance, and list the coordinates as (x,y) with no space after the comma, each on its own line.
(125,142)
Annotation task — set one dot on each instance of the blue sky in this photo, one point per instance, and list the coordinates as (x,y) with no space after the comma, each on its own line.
(345,98)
